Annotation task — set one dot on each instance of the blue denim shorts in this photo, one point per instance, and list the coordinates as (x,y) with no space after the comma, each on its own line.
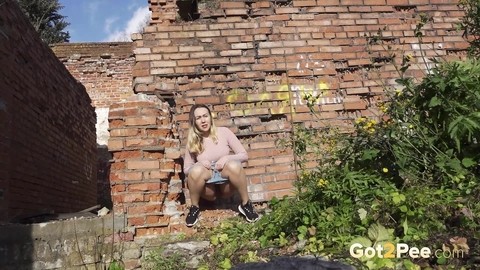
(216,177)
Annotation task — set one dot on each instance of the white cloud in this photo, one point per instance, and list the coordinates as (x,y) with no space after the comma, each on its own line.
(92,8)
(108,24)
(132,6)
(139,19)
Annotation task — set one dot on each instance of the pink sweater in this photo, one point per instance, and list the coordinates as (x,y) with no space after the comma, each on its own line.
(212,152)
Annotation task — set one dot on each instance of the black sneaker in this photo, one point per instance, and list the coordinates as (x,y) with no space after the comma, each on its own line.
(248,211)
(192,217)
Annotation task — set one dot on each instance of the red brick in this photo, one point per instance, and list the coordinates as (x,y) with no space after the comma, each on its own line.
(260,162)
(206,34)
(125,132)
(351,2)
(115,144)
(136,221)
(398,2)
(141,232)
(360,105)
(336,9)
(125,176)
(117,166)
(262,145)
(279,185)
(255,170)
(189,62)
(139,142)
(117,188)
(140,121)
(133,197)
(144,187)
(419,2)
(142,164)
(232,6)
(328,2)
(156,174)
(143,208)
(375,2)
(359,9)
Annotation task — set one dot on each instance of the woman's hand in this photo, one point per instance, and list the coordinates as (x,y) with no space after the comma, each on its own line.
(206,164)
(221,163)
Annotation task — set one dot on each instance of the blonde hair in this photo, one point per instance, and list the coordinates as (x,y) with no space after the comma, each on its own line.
(195,138)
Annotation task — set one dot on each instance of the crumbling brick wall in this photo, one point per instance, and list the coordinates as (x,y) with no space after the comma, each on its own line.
(253,62)
(105,69)
(47,134)
(145,173)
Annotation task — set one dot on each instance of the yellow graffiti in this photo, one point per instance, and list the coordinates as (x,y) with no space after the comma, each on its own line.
(301,94)
(323,86)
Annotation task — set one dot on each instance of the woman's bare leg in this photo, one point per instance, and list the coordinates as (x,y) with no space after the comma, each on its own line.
(197,176)
(233,170)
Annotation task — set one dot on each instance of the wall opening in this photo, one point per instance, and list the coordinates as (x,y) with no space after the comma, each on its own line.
(188,10)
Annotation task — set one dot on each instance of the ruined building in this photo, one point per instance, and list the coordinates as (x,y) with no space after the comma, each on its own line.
(252,61)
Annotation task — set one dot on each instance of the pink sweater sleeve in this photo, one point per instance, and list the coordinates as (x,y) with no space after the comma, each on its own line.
(188,161)
(237,147)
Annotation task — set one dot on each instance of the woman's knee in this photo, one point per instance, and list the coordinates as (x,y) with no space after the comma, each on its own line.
(233,166)
(197,173)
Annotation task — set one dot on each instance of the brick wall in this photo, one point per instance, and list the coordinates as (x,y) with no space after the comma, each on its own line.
(253,61)
(105,69)
(47,134)
(145,173)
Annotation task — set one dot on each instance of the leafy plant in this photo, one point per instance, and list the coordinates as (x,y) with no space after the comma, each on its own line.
(408,168)
(116,265)
(156,260)
(414,168)
(471,24)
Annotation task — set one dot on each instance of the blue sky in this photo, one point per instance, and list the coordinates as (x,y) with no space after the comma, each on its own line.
(104,20)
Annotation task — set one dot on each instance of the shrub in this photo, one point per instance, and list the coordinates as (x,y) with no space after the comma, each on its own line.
(415,169)
(471,24)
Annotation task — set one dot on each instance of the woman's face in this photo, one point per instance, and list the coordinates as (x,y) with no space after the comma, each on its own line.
(202,120)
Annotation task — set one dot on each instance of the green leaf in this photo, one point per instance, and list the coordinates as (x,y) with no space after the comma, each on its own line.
(405,226)
(371,265)
(225,264)
(306,220)
(362,241)
(468,162)
(441,260)
(362,213)
(214,240)
(302,230)
(455,164)
(378,232)
(434,102)
(409,265)
(388,264)
(370,154)
(398,198)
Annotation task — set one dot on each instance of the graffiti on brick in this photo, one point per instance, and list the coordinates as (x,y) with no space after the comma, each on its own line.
(281,93)
(300,91)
